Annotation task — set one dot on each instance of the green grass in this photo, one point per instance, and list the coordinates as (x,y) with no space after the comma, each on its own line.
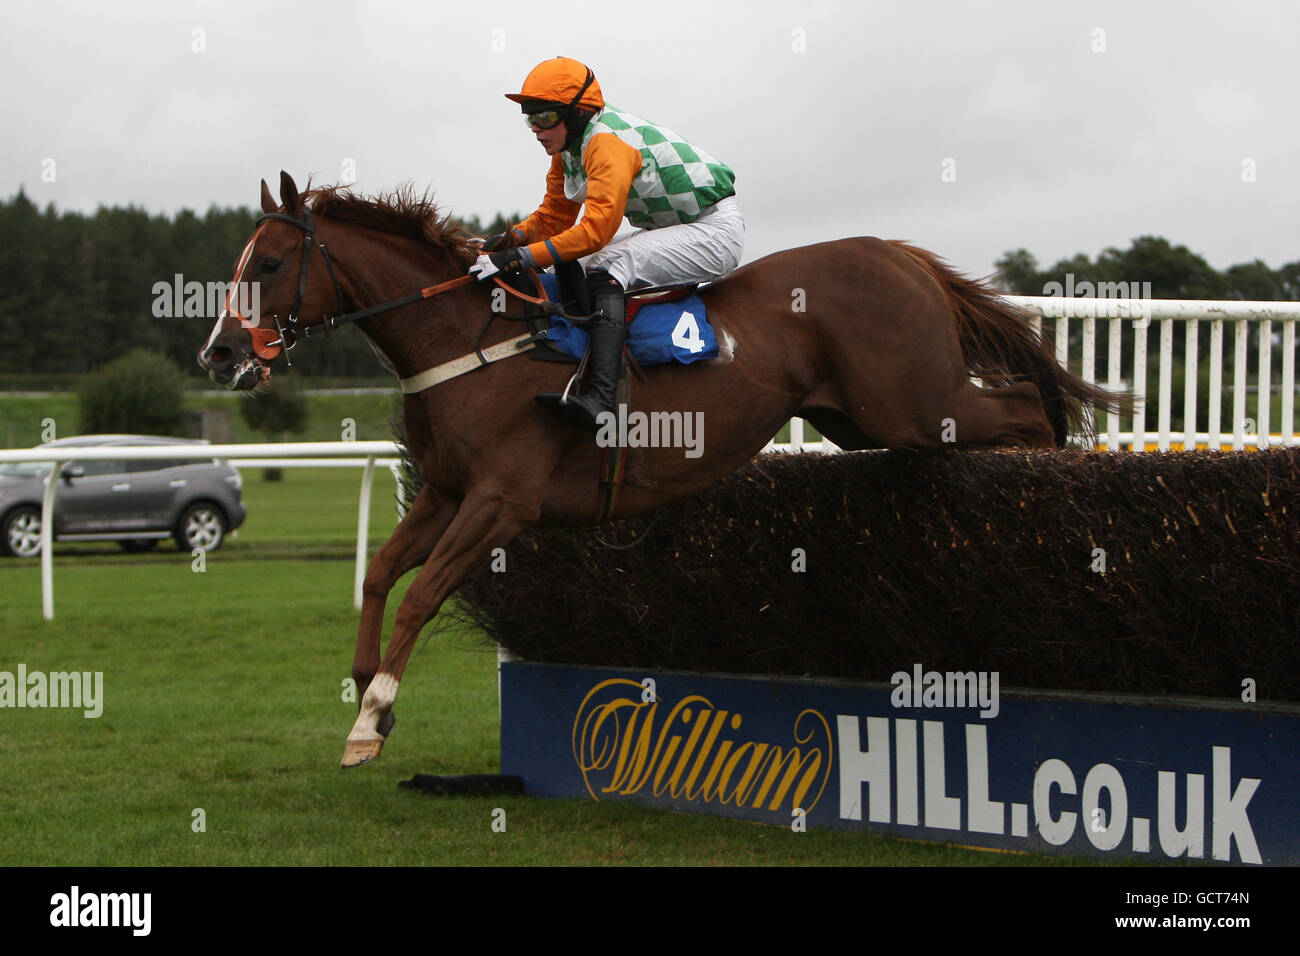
(371,415)
(314,508)
(222,692)
(23,418)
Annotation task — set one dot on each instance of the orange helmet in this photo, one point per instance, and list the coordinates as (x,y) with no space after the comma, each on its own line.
(561,80)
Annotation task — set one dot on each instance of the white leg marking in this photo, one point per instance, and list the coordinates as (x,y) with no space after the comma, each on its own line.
(377,702)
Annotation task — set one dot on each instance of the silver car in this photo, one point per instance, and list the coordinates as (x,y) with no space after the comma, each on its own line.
(136,503)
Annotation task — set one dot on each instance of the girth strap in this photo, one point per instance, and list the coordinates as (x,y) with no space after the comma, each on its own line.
(468,363)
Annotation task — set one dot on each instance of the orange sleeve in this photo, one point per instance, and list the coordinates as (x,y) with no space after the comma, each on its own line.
(556,213)
(611,165)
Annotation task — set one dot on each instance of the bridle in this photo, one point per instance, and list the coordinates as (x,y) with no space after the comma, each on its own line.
(286,338)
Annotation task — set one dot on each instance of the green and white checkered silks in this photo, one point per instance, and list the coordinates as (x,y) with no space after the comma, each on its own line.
(676,182)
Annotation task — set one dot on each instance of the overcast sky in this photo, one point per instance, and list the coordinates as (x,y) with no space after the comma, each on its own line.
(1068,127)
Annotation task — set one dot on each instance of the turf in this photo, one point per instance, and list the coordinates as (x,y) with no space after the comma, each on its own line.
(223,694)
(26,419)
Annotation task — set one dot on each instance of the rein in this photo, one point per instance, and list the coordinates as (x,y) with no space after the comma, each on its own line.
(287,338)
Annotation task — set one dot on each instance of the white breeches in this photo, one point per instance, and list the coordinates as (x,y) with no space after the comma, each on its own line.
(698,251)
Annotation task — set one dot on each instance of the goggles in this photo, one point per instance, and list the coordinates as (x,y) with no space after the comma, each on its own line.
(545,120)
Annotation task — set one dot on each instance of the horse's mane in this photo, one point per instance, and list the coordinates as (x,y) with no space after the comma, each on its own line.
(400,213)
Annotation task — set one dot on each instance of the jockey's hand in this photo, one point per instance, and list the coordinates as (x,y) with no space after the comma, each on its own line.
(489,265)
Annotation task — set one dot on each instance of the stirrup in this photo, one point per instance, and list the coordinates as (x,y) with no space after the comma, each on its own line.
(557,400)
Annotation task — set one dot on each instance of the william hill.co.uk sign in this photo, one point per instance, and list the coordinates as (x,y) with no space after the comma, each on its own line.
(930,756)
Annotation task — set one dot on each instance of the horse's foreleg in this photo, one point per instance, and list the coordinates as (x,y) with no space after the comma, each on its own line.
(412,542)
(482,522)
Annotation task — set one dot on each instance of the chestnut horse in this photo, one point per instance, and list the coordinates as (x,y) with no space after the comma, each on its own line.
(872,342)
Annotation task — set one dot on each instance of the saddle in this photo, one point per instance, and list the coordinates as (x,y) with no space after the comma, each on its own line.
(571,299)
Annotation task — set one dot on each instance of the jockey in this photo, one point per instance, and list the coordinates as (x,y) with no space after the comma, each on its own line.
(611,164)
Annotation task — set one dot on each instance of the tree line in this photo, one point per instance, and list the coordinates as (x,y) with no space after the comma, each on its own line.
(78,290)
(1175,272)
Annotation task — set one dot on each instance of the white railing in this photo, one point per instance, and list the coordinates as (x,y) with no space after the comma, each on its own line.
(1135,316)
(796,442)
(364,454)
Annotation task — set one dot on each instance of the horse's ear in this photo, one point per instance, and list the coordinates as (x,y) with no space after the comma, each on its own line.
(288,193)
(268,204)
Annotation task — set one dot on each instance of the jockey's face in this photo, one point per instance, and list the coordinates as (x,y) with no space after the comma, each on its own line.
(552,139)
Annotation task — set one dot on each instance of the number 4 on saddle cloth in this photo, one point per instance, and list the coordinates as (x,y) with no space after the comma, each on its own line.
(677,330)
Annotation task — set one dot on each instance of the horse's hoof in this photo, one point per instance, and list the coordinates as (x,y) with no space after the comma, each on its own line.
(386,724)
(358,752)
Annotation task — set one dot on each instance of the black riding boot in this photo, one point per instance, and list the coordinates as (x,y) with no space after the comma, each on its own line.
(608,334)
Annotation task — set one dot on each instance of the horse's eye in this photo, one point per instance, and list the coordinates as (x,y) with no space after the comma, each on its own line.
(269,264)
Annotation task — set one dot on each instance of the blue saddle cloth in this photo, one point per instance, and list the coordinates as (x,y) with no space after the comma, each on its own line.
(661,333)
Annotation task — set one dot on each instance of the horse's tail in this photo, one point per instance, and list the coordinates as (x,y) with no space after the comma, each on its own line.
(1000,346)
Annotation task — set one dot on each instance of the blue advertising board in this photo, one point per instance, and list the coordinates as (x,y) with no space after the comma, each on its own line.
(937,757)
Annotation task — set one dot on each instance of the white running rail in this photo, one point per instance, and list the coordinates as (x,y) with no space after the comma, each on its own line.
(364,454)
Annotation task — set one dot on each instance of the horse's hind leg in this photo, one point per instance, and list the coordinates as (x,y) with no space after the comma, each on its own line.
(411,543)
(1007,415)
(484,521)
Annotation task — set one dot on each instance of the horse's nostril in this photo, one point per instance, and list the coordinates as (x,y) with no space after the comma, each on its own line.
(219,356)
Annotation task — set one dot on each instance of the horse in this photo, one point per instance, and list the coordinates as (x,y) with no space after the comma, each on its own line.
(873,342)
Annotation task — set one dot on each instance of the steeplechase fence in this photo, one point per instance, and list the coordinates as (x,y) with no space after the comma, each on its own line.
(1055,652)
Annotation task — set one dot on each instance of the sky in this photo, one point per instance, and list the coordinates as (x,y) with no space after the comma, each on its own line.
(969,128)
